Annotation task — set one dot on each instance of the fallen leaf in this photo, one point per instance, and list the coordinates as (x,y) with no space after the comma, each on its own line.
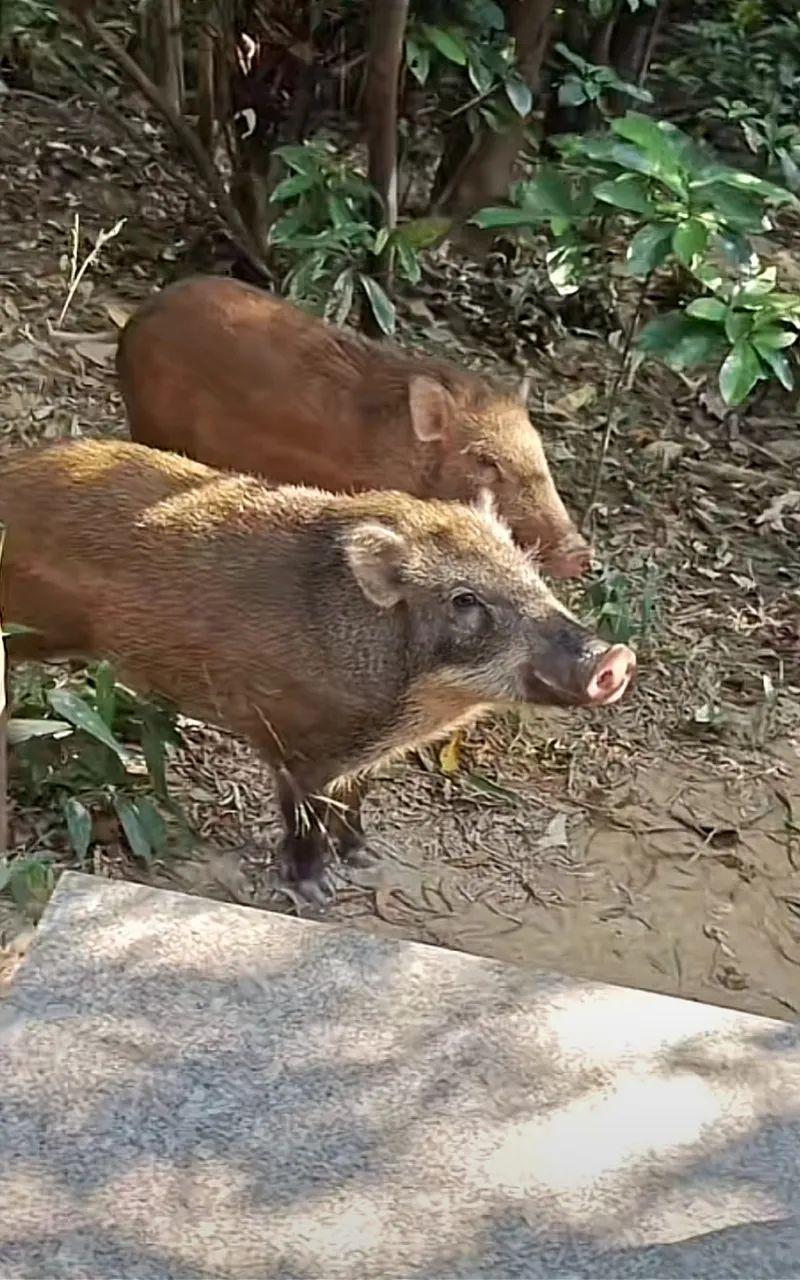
(663,452)
(450,755)
(575,400)
(20,353)
(118,315)
(98,352)
(783,504)
(555,837)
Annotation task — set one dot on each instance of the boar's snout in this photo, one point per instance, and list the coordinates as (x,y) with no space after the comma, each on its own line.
(581,672)
(611,675)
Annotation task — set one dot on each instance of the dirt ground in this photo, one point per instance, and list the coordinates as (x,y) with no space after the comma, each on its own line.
(656,844)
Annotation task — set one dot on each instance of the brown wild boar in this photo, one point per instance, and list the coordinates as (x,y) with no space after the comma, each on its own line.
(332,631)
(240,379)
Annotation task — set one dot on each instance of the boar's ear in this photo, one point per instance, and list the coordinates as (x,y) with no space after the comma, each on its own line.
(431,407)
(375,554)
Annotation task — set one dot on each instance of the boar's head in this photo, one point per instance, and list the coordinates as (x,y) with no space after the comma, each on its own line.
(484,439)
(474,620)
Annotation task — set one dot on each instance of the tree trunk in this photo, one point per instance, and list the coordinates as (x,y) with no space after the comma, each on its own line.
(173,83)
(488,167)
(634,40)
(385,56)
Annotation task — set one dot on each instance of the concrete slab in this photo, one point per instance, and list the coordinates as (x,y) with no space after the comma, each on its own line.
(190,1090)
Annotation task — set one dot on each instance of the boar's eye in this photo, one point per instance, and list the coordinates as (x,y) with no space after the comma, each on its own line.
(490,473)
(465,600)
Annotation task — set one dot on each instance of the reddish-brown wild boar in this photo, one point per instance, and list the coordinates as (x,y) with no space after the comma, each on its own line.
(330,630)
(237,378)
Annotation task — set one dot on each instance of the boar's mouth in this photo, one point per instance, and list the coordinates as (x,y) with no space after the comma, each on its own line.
(599,678)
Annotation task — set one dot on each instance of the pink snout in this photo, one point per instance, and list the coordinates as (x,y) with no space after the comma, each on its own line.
(611,677)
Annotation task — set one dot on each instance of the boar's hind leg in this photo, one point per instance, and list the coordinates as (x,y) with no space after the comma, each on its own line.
(304,847)
(345,826)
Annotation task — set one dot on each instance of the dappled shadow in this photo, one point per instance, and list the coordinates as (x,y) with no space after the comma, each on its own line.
(196,1091)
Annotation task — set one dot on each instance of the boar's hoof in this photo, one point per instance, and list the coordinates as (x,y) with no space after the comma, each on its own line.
(303,876)
(359,856)
(319,892)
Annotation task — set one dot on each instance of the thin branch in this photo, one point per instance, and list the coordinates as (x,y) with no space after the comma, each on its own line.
(611,415)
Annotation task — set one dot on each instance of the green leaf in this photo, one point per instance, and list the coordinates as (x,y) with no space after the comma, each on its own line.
(418,60)
(739,210)
(489,218)
(649,247)
(519,95)
(564,268)
(18,629)
(421,233)
(133,827)
(105,693)
(571,92)
(750,184)
(303,159)
(449,44)
(550,194)
(708,309)
(626,192)
(79,826)
(779,365)
(773,338)
(152,823)
(382,306)
(739,373)
(681,341)
(343,287)
(408,262)
(480,75)
(22,729)
(70,707)
(293,186)
(737,324)
(690,239)
(571,56)
(661,144)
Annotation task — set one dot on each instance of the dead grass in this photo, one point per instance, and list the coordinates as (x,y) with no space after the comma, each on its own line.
(655,845)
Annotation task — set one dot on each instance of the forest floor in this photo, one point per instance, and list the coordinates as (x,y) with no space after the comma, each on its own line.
(656,844)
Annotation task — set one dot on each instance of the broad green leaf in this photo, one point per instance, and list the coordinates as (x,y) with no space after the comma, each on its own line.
(296,185)
(408,262)
(421,233)
(105,693)
(708,309)
(740,372)
(480,75)
(740,210)
(70,707)
(303,159)
(575,58)
(381,240)
(571,92)
(135,832)
(152,823)
(17,629)
(342,290)
(737,324)
(79,826)
(681,341)
(773,338)
(550,194)
(5,873)
(489,218)
(418,60)
(627,192)
(779,365)
(22,729)
(450,44)
(649,247)
(382,306)
(655,138)
(689,239)
(519,95)
(749,183)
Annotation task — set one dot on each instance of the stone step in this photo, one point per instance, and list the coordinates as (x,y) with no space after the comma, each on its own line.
(196,1091)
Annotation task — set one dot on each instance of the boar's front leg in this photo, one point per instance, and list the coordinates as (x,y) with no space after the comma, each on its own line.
(302,856)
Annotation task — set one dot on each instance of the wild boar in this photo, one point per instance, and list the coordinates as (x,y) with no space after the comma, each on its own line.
(332,631)
(237,378)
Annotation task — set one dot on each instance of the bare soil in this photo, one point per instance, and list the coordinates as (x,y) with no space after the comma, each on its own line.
(657,844)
